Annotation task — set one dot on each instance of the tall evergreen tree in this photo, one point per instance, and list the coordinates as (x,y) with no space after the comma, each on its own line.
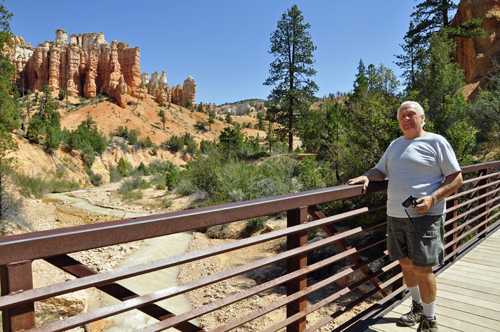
(412,61)
(290,72)
(429,16)
(10,111)
(361,81)
(10,119)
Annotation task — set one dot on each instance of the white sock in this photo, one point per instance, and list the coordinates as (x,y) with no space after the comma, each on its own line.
(430,310)
(415,294)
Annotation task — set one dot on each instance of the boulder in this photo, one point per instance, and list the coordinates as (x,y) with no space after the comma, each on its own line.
(70,304)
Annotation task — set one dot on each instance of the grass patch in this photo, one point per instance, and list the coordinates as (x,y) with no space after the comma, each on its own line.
(132,195)
(38,187)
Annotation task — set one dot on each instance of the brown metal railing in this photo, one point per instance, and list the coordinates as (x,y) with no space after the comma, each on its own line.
(471,215)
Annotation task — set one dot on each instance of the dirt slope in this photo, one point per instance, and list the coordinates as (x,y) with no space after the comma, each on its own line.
(32,160)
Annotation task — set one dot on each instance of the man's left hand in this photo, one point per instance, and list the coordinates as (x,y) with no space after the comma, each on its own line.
(424,204)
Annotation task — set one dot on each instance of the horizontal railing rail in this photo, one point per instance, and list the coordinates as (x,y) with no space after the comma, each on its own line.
(472,212)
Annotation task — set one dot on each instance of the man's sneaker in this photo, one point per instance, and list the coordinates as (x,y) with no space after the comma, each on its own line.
(428,325)
(414,316)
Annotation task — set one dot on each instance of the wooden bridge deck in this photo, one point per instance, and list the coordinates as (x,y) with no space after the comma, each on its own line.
(468,297)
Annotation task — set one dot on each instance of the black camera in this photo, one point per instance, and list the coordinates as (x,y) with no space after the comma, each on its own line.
(410,201)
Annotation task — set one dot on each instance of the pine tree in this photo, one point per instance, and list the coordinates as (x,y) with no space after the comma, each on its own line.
(361,81)
(290,72)
(429,16)
(412,61)
(10,111)
(162,116)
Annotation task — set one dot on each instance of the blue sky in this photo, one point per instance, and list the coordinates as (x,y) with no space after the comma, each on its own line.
(224,44)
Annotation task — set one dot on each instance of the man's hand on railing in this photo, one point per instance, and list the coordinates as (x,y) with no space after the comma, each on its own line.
(360,179)
(372,175)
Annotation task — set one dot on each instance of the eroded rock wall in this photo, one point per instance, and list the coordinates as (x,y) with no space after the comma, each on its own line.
(477,56)
(88,64)
(177,94)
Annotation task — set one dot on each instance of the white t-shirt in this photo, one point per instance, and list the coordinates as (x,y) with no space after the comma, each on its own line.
(416,166)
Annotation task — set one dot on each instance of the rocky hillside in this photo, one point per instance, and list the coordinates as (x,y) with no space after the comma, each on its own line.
(32,160)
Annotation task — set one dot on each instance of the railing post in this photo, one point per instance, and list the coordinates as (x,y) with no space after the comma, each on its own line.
(482,201)
(454,225)
(296,217)
(17,277)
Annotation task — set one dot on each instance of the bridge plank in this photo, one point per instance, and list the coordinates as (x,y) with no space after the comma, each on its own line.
(479,312)
(468,299)
(475,260)
(472,275)
(491,245)
(474,269)
(478,266)
(467,283)
(469,292)
(482,253)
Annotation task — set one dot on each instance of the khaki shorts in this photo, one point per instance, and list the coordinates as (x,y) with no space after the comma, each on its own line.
(421,241)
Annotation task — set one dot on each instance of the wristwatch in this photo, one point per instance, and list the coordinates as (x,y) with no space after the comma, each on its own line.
(435,198)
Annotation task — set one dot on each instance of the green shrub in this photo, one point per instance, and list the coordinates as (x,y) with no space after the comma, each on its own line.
(38,187)
(62,94)
(191,146)
(166,203)
(144,143)
(255,224)
(132,184)
(123,166)
(96,179)
(175,143)
(132,195)
(142,169)
(88,155)
(206,146)
(115,174)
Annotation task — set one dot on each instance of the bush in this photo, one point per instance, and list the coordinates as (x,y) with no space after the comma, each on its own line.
(114,174)
(12,214)
(88,155)
(255,224)
(132,195)
(95,179)
(165,203)
(142,169)
(132,184)
(144,143)
(191,146)
(123,166)
(175,143)
(62,94)
(38,187)
(206,146)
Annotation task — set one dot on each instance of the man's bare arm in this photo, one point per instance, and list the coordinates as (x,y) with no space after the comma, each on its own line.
(372,175)
(448,187)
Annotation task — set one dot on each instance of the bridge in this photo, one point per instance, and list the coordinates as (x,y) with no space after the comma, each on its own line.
(471,264)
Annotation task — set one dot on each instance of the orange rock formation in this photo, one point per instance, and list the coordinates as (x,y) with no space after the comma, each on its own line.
(86,64)
(477,56)
(159,88)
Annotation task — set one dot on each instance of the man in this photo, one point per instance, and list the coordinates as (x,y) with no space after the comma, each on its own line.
(424,165)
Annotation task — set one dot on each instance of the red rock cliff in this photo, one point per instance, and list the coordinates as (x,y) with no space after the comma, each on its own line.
(86,64)
(476,56)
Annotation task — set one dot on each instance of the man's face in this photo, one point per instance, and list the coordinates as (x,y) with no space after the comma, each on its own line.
(410,121)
